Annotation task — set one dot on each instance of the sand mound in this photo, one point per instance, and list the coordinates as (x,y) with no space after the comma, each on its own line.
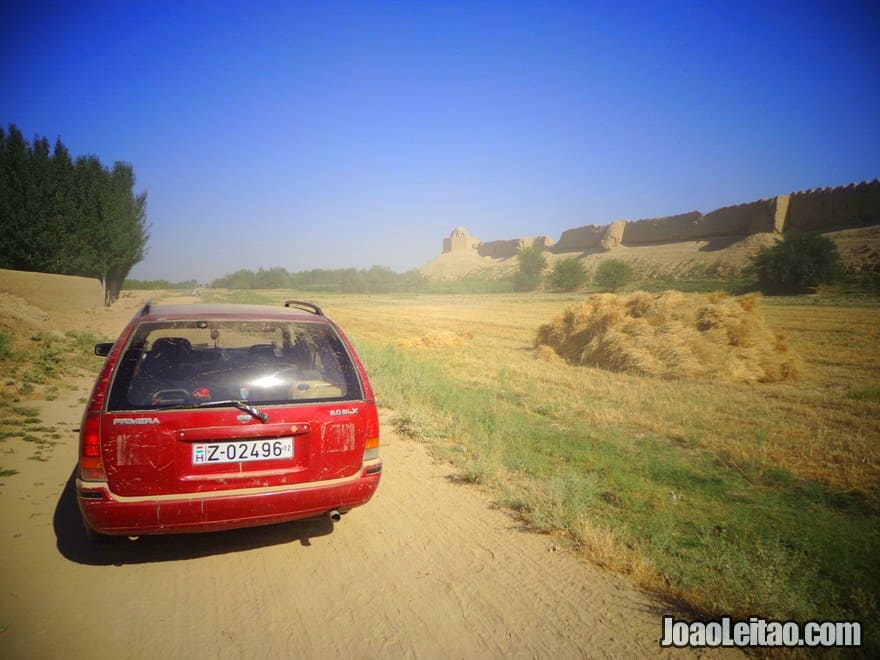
(436,340)
(53,292)
(16,313)
(455,265)
(672,335)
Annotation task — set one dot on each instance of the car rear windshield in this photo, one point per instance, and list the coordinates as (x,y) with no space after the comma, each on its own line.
(176,363)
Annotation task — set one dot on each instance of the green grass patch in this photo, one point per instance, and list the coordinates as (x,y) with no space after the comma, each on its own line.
(859,284)
(733,285)
(43,358)
(735,539)
(417,426)
(870,394)
(47,357)
(481,281)
(7,472)
(39,429)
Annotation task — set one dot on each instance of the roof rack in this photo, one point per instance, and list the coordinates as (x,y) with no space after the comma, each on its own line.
(307,306)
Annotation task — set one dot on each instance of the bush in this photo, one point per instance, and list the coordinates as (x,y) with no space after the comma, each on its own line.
(531,263)
(526,281)
(613,274)
(798,263)
(568,275)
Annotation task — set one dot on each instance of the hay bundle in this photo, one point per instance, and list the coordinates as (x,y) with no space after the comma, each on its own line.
(671,335)
(442,339)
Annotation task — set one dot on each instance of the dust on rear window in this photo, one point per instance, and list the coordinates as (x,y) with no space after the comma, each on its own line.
(175,363)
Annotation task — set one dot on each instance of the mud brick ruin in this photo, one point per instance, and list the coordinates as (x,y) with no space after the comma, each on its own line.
(821,209)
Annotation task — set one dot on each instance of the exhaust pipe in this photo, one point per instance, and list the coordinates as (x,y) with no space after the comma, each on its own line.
(334,515)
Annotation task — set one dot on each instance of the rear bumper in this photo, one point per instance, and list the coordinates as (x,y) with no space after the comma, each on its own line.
(107,513)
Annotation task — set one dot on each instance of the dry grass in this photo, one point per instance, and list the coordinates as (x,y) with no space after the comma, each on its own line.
(443,339)
(672,335)
(605,548)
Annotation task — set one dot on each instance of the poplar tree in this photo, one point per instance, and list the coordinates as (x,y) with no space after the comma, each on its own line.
(68,217)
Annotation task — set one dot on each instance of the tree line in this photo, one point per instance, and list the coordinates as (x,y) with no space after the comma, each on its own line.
(68,216)
(377,279)
(566,275)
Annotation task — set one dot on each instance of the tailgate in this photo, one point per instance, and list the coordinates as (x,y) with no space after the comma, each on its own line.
(167,452)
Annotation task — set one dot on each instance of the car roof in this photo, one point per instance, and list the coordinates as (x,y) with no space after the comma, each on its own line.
(152,312)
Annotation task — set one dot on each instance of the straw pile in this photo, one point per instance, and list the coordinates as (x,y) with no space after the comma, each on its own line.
(671,335)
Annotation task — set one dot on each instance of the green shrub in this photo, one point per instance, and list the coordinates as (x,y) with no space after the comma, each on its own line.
(613,274)
(797,263)
(568,275)
(532,262)
(526,281)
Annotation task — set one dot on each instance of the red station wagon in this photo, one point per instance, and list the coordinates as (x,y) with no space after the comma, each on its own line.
(212,417)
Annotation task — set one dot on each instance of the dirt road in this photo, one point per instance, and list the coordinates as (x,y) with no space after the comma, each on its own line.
(428,569)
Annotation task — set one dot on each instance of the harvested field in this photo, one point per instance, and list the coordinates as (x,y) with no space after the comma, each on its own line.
(672,335)
(442,339)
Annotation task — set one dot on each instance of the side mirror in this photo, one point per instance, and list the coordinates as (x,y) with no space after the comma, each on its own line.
(103,349)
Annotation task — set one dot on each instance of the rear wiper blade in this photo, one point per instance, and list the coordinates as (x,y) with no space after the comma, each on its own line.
(241,405)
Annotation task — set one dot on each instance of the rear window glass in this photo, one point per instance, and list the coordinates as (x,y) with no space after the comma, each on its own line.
(173,363)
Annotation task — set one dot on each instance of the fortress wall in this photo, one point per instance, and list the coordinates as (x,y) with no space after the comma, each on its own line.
(826,208)
(462,243)
(499,249)
(856,204)
(510,247)
(780,213)
(809,210)
(460,239)
(613,235)
(744,219)
(661,230)
(822,209)
(581,238)
(543,242)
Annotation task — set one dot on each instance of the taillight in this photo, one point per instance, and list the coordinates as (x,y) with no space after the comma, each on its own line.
(91,468)
(371,452)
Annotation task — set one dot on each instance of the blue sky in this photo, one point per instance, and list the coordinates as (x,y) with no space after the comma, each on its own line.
(337,134)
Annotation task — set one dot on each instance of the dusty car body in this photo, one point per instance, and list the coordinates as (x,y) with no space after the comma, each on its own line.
(213,417)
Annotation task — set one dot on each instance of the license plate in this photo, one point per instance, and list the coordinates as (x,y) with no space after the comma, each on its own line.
(242,451)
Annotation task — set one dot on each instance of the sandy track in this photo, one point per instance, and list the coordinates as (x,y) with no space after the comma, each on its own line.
(427,569)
